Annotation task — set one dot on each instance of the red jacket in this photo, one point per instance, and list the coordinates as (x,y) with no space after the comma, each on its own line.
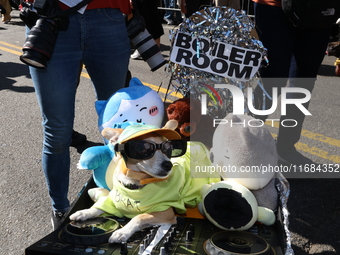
(123,5)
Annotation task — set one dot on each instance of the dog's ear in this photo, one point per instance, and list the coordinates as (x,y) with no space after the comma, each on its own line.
(112,134)
(171,124)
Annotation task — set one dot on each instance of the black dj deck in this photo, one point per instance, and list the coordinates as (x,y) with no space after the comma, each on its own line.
(188,236)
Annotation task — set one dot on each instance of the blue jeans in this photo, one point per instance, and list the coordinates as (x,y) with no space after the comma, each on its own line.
(98,39)
(293,53)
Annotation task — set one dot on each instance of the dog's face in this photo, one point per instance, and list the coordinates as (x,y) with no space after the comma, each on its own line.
(159,165)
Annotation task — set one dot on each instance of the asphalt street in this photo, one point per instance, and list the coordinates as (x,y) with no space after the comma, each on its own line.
(314,203)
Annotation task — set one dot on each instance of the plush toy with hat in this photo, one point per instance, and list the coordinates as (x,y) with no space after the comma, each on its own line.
(131,105)
(243,153)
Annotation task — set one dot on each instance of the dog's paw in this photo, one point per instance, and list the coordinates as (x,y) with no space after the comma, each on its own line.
(86,214)
(120,235)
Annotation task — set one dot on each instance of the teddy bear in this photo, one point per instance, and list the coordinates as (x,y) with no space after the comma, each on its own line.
(244,153)
(187,112)
(136,104)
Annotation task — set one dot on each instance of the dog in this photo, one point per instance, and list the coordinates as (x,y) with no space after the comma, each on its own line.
(136,169)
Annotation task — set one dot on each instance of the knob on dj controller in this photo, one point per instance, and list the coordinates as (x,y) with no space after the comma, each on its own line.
(123,248)
(90,232)
(237,242)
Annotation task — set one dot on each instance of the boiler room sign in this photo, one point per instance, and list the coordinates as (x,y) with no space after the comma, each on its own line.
(223,59)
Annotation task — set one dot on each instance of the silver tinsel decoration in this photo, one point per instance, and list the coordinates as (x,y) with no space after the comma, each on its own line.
(283,189)
(217,24)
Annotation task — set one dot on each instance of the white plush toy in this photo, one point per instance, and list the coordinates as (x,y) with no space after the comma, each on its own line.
(243,152)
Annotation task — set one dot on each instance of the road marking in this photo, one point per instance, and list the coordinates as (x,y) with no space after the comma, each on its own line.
(11,51)
(321,138)
(11,45)
(300,146)
(315,151)
(311,135)
(83,74)
(163,90)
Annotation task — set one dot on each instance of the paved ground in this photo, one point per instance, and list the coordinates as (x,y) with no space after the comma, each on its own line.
(314,204)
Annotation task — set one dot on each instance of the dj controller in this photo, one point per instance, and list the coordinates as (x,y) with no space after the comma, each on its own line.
(188,236)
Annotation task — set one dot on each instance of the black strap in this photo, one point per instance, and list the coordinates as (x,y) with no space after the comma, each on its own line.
(134,10)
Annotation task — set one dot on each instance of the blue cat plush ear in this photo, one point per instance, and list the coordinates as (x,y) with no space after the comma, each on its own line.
(136,103)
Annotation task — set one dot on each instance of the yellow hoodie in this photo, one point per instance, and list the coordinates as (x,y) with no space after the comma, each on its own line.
(179,191)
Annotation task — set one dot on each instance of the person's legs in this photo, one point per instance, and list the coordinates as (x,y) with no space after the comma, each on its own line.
(6,17)
(55,89)
(106,50)
(169,14)
(153,23)
(308,57)
(291,53)
(277,36)
(98,37)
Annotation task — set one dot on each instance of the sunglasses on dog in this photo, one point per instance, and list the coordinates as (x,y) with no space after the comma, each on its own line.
(145,149)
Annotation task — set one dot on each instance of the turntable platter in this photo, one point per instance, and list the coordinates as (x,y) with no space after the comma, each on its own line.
(89,232)
(237,242)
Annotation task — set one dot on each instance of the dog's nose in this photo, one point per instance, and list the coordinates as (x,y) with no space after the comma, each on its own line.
(166,165)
